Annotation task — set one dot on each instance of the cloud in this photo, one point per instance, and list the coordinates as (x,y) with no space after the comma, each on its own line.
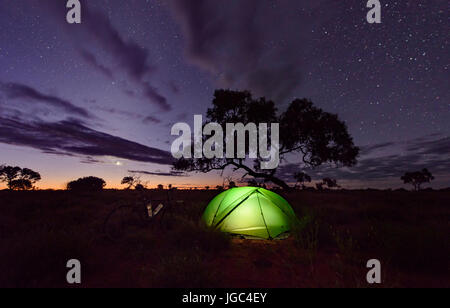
(132,115)
(131,58)
(90,160)
(73,138)
(151,119)
(160,173)
(115,111)
(397,158)
(174,87)
(27,93)
(252,44)
(372,148)
(152,94)
(92,60)
(430,147)
(97,28)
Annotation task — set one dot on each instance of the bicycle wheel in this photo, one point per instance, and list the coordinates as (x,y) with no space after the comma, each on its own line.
(121,221)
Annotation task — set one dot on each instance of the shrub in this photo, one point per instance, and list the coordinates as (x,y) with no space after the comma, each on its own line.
(90,184)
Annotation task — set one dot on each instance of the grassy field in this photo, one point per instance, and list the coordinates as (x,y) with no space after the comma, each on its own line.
(339,232)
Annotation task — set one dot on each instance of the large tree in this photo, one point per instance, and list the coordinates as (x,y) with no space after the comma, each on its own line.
(312,135)
(17,178)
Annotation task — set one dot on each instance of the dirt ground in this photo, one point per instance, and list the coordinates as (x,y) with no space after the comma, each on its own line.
(338,233)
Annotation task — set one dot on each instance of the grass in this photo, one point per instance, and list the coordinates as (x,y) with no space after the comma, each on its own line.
(336,235)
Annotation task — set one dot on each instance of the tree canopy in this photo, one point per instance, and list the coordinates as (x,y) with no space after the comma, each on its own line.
(133,182)
(17,178)
(418,178)
(302,177)
(87,184)
(313,136)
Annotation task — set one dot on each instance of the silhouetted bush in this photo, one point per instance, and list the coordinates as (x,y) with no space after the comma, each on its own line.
(90,183)
(139,187)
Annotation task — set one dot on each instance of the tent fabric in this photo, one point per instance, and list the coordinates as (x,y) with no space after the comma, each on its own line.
(251,212)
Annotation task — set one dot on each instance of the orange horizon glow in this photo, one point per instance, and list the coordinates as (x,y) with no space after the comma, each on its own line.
(115,184)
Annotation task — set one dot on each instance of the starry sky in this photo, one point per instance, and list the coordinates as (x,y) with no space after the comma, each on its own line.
(100,98)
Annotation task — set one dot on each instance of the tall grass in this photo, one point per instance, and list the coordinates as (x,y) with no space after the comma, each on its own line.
(336,234)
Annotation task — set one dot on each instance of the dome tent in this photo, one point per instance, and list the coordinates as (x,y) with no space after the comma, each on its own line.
(251,212)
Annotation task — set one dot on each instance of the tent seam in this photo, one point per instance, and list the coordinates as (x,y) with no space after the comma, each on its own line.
(231,203)
(262,215)
(286,214)
(232,210)
(217,211)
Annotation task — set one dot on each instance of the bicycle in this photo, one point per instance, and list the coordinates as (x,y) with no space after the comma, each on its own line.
(128,217)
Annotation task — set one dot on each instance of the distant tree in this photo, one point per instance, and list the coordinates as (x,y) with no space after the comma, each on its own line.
(314,136)
(301,178)
(131,181)
(21,184)
(9,174)
(252,183)
(139,187)
(30,175)
(231,184)
(319,186)
(89,184)
(170,186)
(417,178)
(207,187)
(160,187)
(218,187)
(17,178)
(330,183)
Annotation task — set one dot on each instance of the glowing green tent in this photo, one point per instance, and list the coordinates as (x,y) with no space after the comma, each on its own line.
(251,212)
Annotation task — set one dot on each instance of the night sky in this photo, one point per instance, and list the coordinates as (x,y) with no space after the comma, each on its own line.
(99,98)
